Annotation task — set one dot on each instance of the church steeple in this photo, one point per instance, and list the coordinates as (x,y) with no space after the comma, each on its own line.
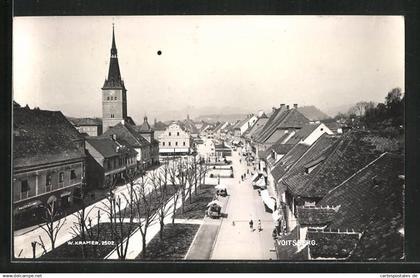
(114,94)
(114,75)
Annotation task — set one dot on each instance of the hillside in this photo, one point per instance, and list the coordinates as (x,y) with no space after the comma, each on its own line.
(313,113)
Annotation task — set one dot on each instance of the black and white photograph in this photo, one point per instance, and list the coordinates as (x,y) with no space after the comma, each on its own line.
(208,138)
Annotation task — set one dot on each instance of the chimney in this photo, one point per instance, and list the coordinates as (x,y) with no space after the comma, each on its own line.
(114,137)
(155,121)
(295,106)
(273,108)
(282,105)
(122,121)
(287,107)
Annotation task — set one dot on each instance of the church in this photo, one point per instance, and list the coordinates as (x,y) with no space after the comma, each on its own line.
(116,122)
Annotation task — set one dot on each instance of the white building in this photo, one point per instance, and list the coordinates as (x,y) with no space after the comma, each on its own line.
(175,141)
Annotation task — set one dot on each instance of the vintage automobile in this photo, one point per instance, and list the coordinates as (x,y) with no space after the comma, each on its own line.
(214,209)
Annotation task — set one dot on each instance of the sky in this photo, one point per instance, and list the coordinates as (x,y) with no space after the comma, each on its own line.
(222,64)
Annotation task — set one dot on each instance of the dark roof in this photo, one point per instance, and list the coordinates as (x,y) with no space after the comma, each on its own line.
(42,136)
(160,126)
(281,119)
(188,126)
(296,177)
(315,216)
(114,80)
(332,243)
(371,203)
(259,124)
(378,191)
(302,133)
(127,133)
(282,148)
(145,127)
(108,147)
(288,160)
(85,121)
(349,154)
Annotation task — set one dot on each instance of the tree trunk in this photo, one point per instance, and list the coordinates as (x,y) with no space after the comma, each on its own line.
(162,225)
(144,252)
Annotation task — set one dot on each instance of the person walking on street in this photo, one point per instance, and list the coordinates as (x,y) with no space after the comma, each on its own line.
(251,225)
(259,225)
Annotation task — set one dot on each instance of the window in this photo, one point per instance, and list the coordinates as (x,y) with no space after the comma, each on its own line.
(24,186)
(61,177)
(163,143)
(176,143)
(48,183)
(112,115)
(183,143)
(24,189)
(109,164)
(169,143)
(177,134)
(107,98)
(73,174)
(169,134)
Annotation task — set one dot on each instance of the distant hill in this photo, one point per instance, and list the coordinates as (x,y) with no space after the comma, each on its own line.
(212,118)
(313,113)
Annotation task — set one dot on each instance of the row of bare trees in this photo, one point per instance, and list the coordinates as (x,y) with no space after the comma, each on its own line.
(146,199)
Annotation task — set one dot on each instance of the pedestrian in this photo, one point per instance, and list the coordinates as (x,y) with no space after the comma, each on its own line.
(259,225)
(233,223)
(247,171)
(251,225)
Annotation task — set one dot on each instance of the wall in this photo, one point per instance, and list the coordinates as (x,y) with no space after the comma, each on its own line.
(116,107)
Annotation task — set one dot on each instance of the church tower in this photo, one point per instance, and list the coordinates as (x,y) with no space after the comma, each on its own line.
(114,94)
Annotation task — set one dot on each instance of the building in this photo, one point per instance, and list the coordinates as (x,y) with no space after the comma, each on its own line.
(89,126)
(109,161)
(114,93)
(242,126)
(48,161)
(207,150)
(175,141)
(141,139)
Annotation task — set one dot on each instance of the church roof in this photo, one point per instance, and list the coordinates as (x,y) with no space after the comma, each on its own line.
(114,80)
(145,127)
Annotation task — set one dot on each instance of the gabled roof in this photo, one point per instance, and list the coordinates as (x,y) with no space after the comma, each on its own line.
(281,119)
(243,121)
(351,152)
(259,124)
(159,126)
(42,136)
(371,203)
(145,127)
(296,175)
(332,243)
(127,133)
(302,133)
(108,147)
(315,215)
(85,121)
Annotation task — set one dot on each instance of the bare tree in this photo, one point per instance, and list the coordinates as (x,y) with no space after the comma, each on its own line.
(117,215)
(79,227)
(159,181)
(52,224)
(173,177)
(144,206)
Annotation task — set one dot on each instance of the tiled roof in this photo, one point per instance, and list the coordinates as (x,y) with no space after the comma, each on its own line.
(282,148)
(259,124)
(127,133)
(287,251)
(160,126)
(281,119)
(381,241)
(315,216)
(277,135)
(145,127)
(85,121)
(302,133)
(349,154)
(332,244)
(42,136)
(376,188)
(371,203)
(108,148)
(297,177)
